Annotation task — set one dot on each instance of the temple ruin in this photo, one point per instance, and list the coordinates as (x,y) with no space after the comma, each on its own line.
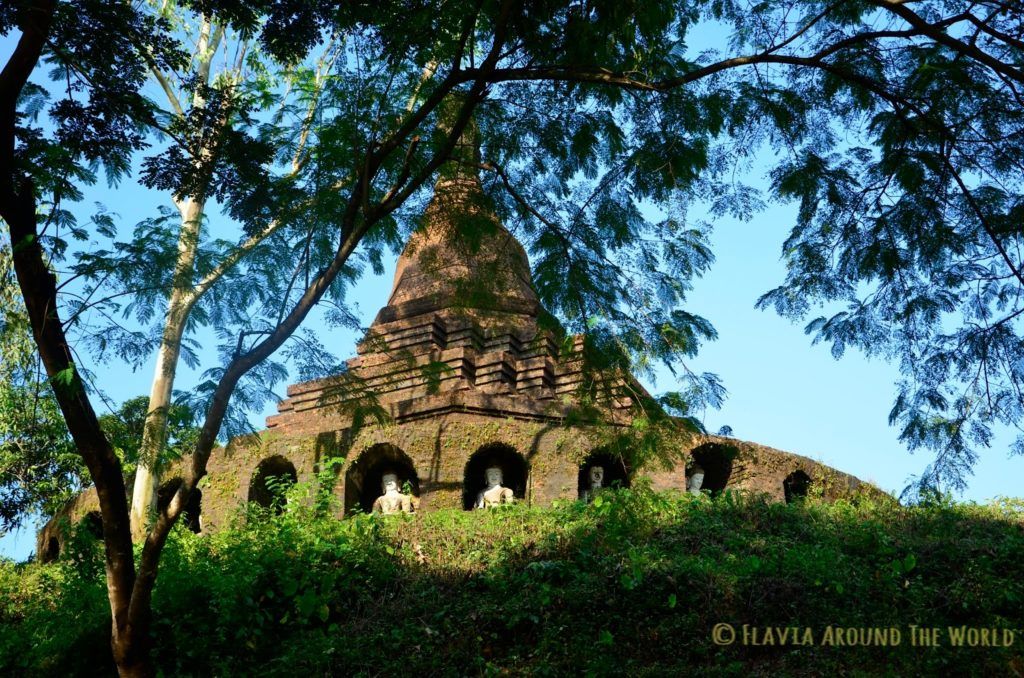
(464,374)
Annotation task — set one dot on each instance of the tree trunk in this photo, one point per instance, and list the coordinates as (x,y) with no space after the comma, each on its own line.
(154,434)
(131,657)
(39,289)
(38,284)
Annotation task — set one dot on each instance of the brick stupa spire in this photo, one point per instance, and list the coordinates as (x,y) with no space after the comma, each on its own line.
(459,331)
(462,258)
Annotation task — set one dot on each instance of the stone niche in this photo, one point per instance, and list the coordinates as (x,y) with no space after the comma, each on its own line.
(514,468)
(192,513)
(716,461)
(617,473)
(796,486)
(364,475)
(271,477)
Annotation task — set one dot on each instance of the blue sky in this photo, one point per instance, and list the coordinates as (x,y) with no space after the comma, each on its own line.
(784,392)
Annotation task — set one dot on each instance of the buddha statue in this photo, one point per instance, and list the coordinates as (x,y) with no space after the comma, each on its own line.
(696,479)
(595,481)
(493,494)
(392,501)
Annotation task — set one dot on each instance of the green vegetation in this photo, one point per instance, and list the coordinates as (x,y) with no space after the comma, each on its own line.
(632,583)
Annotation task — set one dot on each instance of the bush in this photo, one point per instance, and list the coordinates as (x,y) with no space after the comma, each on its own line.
(632,583)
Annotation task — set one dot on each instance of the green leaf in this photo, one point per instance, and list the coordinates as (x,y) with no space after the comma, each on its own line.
(65,377)
(307,603)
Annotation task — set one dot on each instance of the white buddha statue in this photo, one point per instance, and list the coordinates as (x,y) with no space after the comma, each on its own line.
(392,501)
(696,479)
(595,481)
(494,494)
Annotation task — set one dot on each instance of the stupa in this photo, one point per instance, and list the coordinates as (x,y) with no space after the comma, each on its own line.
(460,372)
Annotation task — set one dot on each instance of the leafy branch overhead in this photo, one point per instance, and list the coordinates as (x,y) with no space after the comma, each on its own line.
(914,226)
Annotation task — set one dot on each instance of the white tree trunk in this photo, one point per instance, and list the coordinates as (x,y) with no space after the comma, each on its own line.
(185,289)
(154,435)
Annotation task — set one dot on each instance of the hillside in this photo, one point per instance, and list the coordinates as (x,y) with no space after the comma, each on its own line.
(633,583)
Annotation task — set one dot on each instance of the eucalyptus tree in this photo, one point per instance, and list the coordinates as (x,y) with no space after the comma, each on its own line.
(584,110)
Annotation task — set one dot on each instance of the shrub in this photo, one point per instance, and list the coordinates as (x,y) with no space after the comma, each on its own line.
(631,583)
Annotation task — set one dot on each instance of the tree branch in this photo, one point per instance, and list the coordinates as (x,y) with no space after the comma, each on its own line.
(944,38)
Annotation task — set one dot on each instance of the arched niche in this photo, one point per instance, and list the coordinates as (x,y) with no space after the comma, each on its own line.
(190,516)
(51,551)
(515,472)
(796,485)
(92,522)
(363,477)
(271,477)
(715,461)
(616,471)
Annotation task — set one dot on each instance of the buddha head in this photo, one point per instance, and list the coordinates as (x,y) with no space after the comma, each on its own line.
(696,479)
(596,476)
(493,476)
(389,483)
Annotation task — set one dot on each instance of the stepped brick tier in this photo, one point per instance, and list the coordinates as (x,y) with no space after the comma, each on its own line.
(465,375)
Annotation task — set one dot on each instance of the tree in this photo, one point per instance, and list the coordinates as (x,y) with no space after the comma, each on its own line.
(39,467)
(914,221)
(584,110)
(40,470)
(191,96)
